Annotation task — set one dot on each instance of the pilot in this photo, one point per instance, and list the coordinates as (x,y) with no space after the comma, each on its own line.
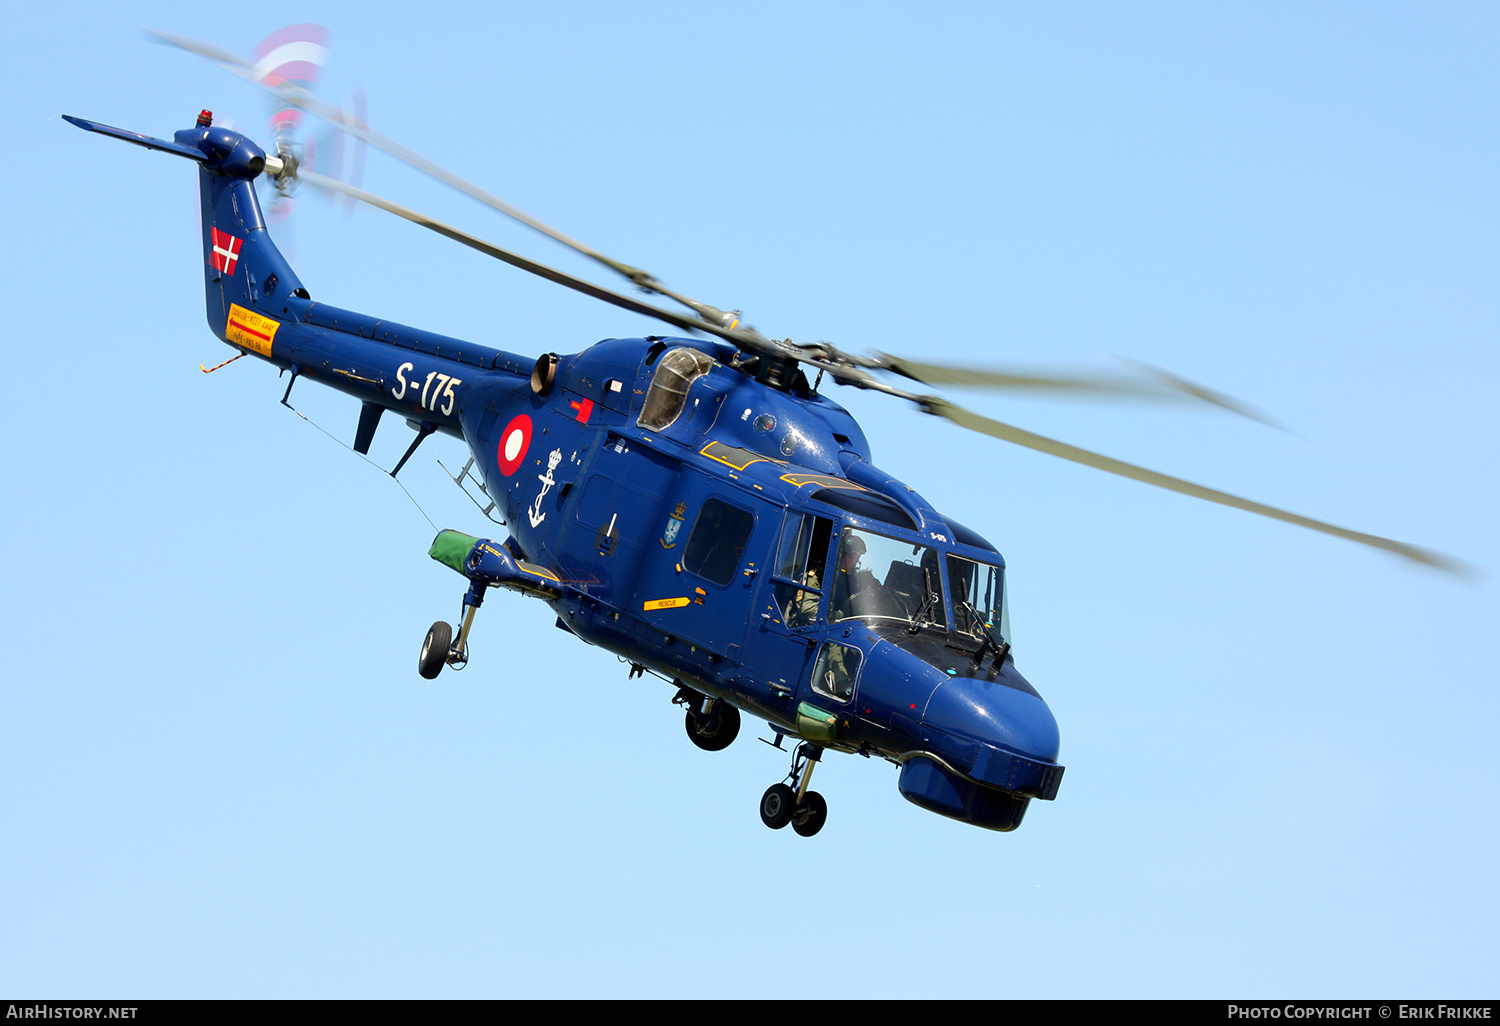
(855,590)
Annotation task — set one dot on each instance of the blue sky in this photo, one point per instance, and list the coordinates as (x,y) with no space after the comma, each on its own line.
(221,776)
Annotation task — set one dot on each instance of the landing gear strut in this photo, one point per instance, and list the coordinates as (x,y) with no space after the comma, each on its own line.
(791,801)
(712,724)
(440,648)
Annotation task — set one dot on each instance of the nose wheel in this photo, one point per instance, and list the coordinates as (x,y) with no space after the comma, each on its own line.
(791,801)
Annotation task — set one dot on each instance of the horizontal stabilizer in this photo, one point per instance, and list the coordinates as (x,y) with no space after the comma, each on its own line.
(135,137)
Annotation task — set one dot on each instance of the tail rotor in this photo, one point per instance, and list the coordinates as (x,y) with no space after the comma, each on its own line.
(295,57)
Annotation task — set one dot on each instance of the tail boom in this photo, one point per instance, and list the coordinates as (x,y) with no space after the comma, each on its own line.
(257,303)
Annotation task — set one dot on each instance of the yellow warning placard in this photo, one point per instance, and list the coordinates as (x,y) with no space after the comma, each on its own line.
(250,329)
(671,603)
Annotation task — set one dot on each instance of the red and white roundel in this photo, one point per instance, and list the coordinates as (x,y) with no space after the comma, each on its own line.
(514,441)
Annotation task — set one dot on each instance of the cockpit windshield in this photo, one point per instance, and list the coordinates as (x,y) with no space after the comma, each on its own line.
(885,578)
(977,591)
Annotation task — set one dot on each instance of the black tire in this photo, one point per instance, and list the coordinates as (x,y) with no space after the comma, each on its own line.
(435,650)
(776,806)
(720,730)
(812,814)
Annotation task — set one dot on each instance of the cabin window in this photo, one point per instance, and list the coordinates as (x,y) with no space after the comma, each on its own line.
(835,671)
(801,567)
(717,544)
(669,387)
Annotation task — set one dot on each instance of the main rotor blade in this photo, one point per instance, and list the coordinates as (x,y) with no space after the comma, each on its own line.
(305,100)
(738,337)
(1052,447)
(1170,380)
(1157,384)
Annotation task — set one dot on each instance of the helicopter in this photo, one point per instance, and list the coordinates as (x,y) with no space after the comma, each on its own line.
(694,504)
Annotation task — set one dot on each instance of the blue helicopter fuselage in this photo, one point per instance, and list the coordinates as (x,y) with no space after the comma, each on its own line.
(675,508)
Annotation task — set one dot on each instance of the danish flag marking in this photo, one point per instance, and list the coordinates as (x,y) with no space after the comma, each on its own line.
(226,252)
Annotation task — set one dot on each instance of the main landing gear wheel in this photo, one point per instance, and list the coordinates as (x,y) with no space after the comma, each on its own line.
(791,801)
(712,723)
(776,806)
(716,731)
(810,815)
(435,650)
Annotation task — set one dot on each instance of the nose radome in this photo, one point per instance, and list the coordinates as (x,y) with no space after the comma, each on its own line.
(998,712)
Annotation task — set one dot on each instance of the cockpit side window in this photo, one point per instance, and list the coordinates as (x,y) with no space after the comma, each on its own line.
(801,567)
(667,395)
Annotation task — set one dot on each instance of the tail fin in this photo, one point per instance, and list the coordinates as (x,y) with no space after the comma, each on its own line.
(243,268)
